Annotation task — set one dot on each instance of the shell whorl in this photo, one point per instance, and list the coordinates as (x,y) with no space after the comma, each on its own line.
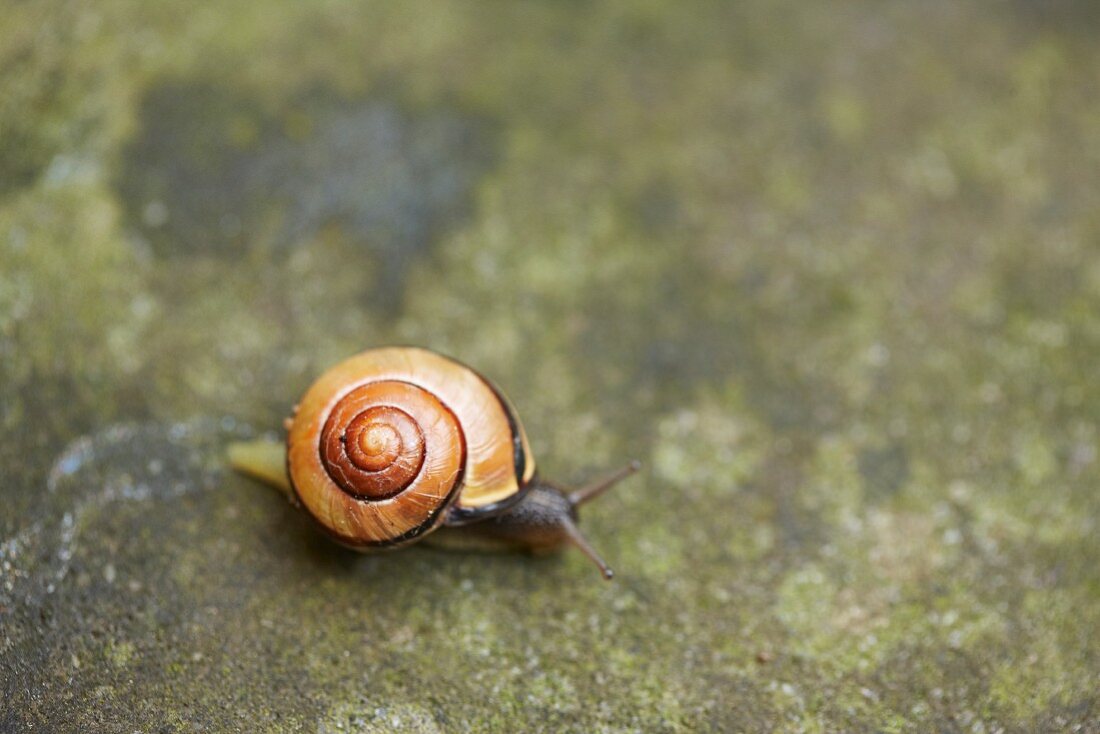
(375,439)
(390,443)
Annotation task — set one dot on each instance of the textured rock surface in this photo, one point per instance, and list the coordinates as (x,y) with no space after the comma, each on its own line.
(831,270)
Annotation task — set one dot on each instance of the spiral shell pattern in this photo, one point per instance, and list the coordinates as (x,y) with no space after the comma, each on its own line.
(391,443)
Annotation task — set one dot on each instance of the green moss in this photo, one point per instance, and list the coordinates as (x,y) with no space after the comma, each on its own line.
(829,272)
(120,654)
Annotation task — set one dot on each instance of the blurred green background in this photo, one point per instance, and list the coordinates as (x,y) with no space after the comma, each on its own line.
(831,270)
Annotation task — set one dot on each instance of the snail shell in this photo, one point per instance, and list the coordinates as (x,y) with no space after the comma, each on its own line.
(389,444)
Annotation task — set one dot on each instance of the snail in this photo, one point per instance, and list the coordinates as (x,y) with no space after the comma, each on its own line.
(399,444)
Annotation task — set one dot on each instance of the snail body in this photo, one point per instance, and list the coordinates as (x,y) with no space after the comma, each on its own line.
(394,444)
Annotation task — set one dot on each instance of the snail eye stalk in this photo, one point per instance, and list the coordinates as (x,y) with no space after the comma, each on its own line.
(588,493)
(594,489)
(575,537)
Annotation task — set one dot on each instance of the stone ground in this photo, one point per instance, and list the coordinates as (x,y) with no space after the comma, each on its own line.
(832,270)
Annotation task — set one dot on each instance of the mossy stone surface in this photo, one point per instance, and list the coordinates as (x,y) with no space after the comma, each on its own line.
(831,271)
